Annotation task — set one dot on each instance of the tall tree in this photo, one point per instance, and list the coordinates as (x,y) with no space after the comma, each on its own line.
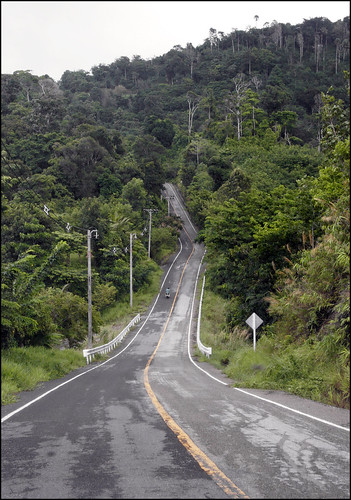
(236,99)
(190,53)
(213,38)
(193,103)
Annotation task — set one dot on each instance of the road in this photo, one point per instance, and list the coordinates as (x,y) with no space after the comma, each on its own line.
(151,422)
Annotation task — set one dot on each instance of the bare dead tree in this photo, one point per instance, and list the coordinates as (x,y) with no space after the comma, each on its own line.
(193,104)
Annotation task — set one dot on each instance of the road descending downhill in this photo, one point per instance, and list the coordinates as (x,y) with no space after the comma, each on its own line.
(152,422)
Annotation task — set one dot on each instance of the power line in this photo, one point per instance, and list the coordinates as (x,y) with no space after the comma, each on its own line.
(90,233)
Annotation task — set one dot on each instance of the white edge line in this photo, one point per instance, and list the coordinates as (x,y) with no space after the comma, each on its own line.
(241,390)
(295,411)
(189,331)
(181,248)
(6,417)
(181,206)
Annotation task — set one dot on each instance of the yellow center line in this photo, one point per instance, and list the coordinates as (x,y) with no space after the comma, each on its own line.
(202,459)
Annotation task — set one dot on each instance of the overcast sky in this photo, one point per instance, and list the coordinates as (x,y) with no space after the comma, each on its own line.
(52,37)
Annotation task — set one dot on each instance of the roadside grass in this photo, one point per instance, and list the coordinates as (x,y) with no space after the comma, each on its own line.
(23,368)
(301,369)
(305,370)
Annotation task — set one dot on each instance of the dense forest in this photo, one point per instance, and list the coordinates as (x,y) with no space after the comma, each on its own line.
(252,126)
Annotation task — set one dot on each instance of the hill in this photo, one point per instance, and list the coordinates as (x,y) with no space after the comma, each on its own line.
(253,126)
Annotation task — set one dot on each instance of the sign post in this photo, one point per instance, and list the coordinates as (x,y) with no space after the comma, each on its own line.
(254,322)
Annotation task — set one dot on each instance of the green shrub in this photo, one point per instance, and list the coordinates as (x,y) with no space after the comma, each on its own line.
(22,368)
(314,368)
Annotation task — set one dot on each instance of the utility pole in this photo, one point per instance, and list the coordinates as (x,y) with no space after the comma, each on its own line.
(89,235)
(150,210)
(90,332)
(132,235)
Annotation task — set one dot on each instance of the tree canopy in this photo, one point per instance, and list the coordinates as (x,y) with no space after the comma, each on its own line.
(252,126)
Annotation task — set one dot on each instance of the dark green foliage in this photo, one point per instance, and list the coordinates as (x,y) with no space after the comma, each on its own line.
(248,238)
(109,184)
(312,294)
(78,164)
(25,319)
(262,164)
(35,151)
(163,130)
(236,183)
(25,227)
(75,81)
(135,194)
(219,169)
(69,314)
(164,242)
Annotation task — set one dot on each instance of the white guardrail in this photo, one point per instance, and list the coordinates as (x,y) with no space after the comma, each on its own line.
(203,349)
(102,349)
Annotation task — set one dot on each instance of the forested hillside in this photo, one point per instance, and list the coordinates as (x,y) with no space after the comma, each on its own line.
(253,127)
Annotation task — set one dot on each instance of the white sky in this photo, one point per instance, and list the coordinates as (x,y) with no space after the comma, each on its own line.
(52,37)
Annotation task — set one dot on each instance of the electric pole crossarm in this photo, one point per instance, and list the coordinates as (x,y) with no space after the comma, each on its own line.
(90,233)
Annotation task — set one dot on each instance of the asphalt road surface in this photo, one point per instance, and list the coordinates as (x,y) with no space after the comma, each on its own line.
(152,422)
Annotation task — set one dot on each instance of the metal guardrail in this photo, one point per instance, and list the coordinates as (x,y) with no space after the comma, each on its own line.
(205,350)
(102,349)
